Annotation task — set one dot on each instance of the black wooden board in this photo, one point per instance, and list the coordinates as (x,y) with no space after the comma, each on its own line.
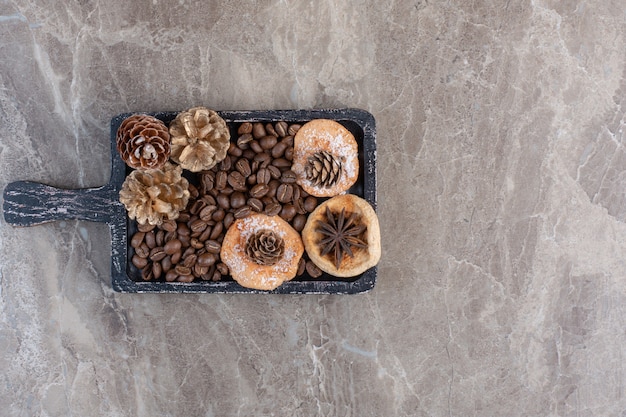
(29,203)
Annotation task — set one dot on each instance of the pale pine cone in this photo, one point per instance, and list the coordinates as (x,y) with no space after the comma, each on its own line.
(143,142)
(200,139)
(153,195)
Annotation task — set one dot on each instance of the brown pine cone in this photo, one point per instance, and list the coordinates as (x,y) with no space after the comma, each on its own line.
(143,142)
(200,139)
(153,195)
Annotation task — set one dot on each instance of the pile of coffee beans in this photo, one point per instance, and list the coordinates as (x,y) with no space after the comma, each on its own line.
(255,176)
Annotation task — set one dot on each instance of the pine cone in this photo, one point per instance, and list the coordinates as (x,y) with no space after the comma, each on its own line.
(323,169)
(200,139)
(153,195)
(143,142)
(265,247)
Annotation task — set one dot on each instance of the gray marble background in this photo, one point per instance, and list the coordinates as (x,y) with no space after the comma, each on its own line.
(502,286)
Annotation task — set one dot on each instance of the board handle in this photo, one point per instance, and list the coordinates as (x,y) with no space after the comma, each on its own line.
(30,203)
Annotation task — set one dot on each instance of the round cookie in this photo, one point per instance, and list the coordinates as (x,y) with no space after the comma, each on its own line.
(262,251)
(352,222)
(325,158)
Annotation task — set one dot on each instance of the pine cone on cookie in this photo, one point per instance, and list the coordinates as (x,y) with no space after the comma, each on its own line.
(200,139)
(153,195)
(143,142)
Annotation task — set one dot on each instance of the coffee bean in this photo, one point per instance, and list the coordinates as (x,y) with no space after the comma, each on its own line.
(223,201)
(183,217)
(263,176)
(301,267)
(176,257)
(146,273)
(216,276)
(218,215)
(183,229)
(207,259)
(185,240)
(244,140)
(243,166)
(259,190)
(293,129)
(288,140)
(145,227)
(222,268)
(262,160)
(157,254)
(217,230)
(310,203)
(288,177)
(234,150)
(282,162)
(258,130)
(272,187)
(207,212)
(196,243)
(188,251)
(169,225)
(229,219)
(284,193)
(207,180)
(279,149)
(198,270)
(196,206)
(212,246)
(170,235)
(139,261)
(255,204)
(172,246)
(171,275)
(205,234)
(268,142)
(193,191)
(272,209)
(226,163)
(245,127)
(150,239)
(237,199)
(221,179)
(142,250)
(288,212)
(242,212)
(166,263)
(185,278)
(137,239)
(274,171)
(157,270)
(281,128)
(269,129)
(313,270)
(198,226)
(248,154)
(256,147)
(190,260)
(237,181)
(298,222)
(289,153)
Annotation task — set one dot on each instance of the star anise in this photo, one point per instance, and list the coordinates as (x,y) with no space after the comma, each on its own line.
(340,235)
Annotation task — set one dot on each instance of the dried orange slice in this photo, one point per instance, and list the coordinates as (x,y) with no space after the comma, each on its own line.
(262,251)
(342,236)
(325,158)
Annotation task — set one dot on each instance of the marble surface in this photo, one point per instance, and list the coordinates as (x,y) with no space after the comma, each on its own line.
(501,157)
